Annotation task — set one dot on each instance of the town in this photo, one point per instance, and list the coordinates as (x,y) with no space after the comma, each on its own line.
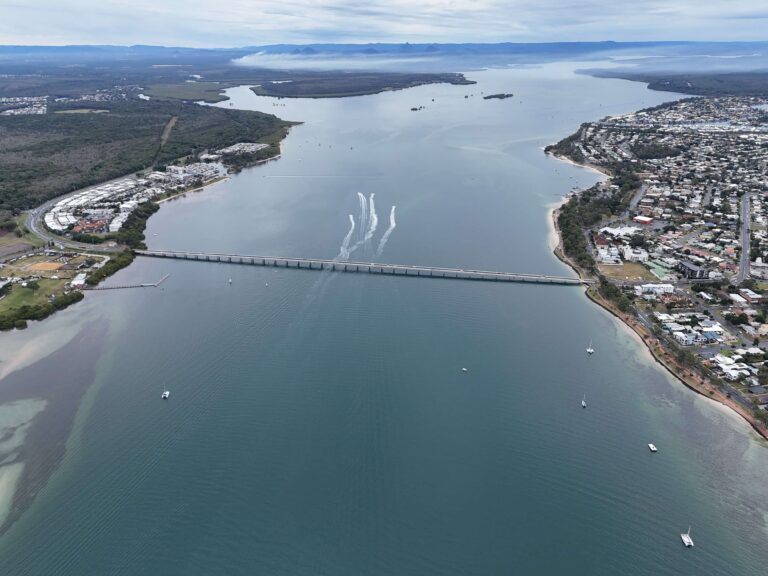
(69,242)
(678,234)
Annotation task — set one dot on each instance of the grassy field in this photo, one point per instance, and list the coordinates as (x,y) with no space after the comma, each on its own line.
(24,296)
(193,91)
(9,239)
(627,271)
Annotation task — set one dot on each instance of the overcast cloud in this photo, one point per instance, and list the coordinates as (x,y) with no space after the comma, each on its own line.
(257,22)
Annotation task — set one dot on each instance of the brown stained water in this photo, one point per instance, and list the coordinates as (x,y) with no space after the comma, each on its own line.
(321,423)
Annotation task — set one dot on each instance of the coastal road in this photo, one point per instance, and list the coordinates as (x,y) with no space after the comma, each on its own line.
(745,244)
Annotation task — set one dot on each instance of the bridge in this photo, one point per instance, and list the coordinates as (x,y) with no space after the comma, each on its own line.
(365,267)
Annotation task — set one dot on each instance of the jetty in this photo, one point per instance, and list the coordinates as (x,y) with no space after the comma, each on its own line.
(124,286)
(406,270)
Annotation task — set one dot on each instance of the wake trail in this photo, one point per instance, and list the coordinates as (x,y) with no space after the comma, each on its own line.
(363,213)
(344,248)
(374,220)
(392,226)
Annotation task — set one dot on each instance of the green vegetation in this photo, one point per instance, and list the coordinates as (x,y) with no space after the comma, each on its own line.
(610,291)
(86,238)
(651,150)
(500,96)
(44,156)
(587,208)
(190,91)
(132,232)
(33,303)
(336,85)
(114,264)
(567,146)
(702,84)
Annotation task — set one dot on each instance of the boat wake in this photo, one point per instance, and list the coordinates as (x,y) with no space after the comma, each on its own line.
(344,248)
(369,221)
(385,237)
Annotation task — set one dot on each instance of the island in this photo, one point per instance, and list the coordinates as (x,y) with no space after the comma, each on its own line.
(500,96)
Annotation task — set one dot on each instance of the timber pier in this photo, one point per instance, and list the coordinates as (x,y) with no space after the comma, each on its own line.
(408,270)
(124,286)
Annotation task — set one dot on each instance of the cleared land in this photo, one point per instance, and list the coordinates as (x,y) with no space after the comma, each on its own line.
(627,271)
(26,296)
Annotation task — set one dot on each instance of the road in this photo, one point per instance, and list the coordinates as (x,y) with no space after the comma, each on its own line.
(745,244)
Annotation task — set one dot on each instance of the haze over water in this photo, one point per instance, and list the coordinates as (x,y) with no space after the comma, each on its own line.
(321,423)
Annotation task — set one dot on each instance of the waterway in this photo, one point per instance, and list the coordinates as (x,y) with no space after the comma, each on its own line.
(321,423)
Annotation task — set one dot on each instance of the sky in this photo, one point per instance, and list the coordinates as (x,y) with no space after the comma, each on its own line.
(233,23)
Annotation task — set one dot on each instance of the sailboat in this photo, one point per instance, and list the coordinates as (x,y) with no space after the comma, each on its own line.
(686,537)
(590,350)
(584,401)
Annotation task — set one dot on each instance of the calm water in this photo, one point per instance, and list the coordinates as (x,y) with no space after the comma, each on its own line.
(321,424)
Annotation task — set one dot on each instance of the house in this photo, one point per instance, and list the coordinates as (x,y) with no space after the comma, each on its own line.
(78,281)
(738,300)
(691,271)
(750,296)
(654,289)
(634,254)
(684,338)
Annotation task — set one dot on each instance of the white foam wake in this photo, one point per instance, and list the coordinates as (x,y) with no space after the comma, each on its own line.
(374,220)
(363,213)
(344,248)
(392,226)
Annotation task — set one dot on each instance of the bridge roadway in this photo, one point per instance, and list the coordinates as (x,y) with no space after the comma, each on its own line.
(365,267)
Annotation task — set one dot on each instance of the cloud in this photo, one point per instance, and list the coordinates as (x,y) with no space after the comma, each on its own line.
(256,22)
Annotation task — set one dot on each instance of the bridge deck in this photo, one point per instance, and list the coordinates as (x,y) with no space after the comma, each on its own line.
(365,267)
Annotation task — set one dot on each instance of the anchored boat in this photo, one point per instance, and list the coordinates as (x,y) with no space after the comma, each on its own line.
(686,538)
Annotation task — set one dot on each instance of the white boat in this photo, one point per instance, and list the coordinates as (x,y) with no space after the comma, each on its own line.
(463,369)
(166,394)
(230,280)
(590,350)
(584,401)
(653,448)
(686,538)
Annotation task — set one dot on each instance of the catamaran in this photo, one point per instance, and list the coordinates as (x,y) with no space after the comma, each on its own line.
(686,537)
(166,394)
(590,350)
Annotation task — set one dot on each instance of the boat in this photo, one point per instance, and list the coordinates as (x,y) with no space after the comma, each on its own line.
(230,280)
(166,394)
(652,448)
(463,369)
(590,350)
(686,538)
(584,401)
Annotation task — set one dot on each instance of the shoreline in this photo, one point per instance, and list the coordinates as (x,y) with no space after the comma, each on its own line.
(662,357)
(77,295)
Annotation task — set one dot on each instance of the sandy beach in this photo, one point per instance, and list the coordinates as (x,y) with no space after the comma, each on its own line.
(652,344)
